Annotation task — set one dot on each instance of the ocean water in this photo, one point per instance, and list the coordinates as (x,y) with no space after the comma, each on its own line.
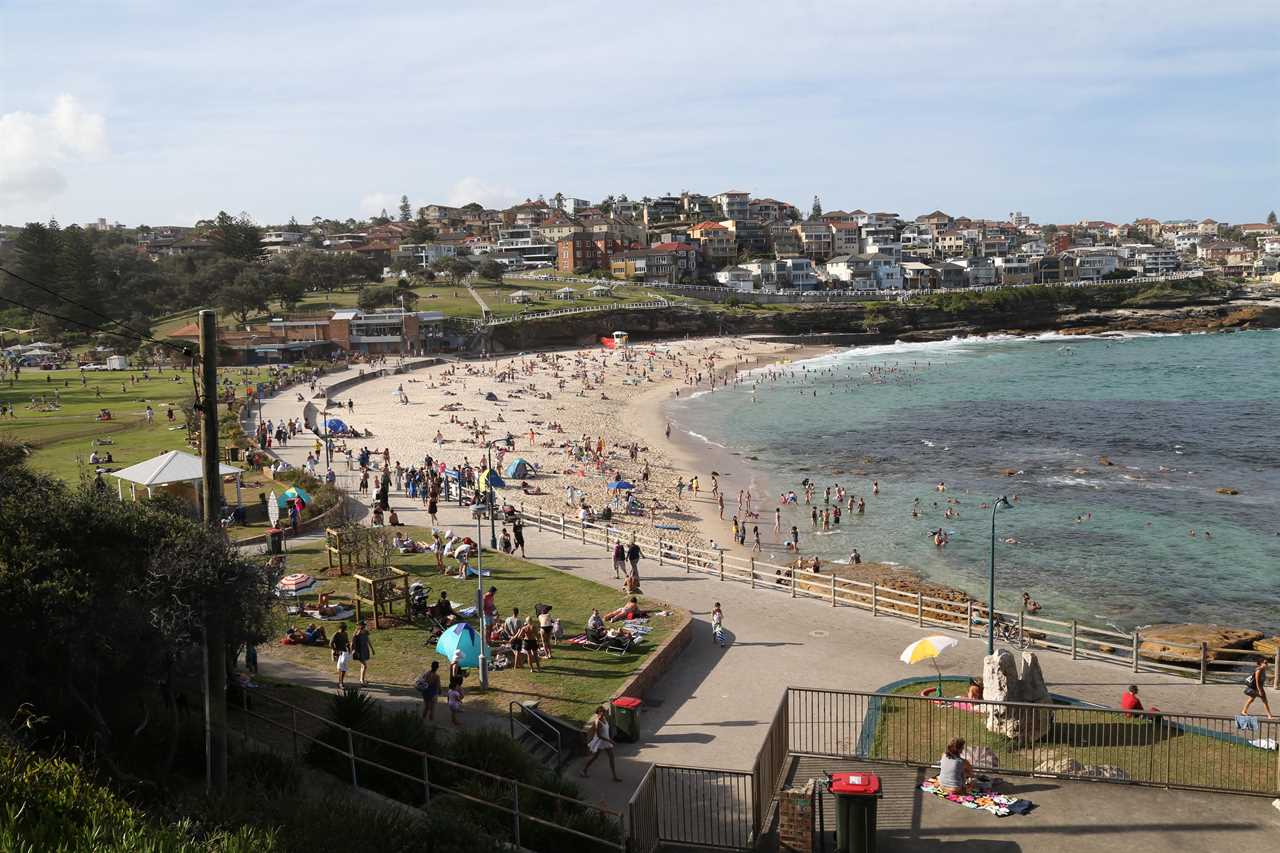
(1177,415)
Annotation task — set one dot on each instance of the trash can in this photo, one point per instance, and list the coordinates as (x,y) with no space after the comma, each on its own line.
(626,722)
(275,541)
(857,796)
(233,454)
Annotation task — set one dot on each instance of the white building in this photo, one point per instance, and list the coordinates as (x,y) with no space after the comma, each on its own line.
(1270,245)
(525,244)
(736,205)
(573,205)
(873,269)
(1153,260)
(783,274)
(979,272)
(274,242)
(1095,265)
(736,278)
(424,253)
(1186,242)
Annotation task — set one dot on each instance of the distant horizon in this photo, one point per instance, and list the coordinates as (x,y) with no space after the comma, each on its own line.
(1093,109)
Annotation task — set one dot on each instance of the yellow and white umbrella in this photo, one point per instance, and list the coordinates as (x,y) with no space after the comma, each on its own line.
(928,649)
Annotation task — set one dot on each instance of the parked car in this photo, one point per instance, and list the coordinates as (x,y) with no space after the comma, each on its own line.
(93,366)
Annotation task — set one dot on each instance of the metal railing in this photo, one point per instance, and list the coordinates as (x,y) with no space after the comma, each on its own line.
(357,747)
(697,806)
(1080,641)
(1070,741)
(648,305)
(531,723)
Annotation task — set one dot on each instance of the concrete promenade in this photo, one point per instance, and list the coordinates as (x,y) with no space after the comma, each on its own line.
(713,707)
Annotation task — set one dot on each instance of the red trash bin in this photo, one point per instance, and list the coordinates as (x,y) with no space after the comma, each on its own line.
(626,725)
(857,796)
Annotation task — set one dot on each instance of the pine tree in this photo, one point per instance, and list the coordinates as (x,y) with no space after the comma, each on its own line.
(817,208)
(406,212)
(1271,218)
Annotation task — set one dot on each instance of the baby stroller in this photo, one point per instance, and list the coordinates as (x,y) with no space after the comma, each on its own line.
(419,600)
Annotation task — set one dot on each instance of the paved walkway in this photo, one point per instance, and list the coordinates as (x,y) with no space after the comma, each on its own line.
(713,707)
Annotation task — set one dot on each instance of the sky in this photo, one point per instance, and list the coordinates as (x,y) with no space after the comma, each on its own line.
(164,113)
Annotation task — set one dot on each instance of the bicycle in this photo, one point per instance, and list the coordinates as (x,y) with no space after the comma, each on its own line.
(1011,633)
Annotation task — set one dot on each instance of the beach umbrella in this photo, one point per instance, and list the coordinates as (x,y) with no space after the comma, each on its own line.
(460,637)
(295,584)
(620,484)
(491,479)
(518,468)
(290,494)
(928,649)
(336,425)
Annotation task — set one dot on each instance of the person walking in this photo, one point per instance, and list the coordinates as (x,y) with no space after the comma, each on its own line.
(544,629)
(455,699)
(340,647)
(517,531)
(362,649)
(717,625)
(1255,687)
(600,741)
(428,685)
(633,557)
(619,559)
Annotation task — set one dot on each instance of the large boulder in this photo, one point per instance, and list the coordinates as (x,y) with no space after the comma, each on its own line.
(1105,771)
(1059,763)
(1002,682)
(982,757)
(1267,645)
(1165,643)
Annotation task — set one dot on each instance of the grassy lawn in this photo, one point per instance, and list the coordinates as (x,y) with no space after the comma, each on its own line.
(571,684)
(1143,750)
(62,439)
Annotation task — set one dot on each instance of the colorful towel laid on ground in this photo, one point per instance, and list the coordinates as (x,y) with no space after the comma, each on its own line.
(982,798)
(580,640)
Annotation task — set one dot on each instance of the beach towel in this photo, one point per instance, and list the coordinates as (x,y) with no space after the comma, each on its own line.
(1000,805)
(1247,723)
(580,640)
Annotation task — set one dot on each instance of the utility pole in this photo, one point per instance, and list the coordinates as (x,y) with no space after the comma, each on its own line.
(215,652)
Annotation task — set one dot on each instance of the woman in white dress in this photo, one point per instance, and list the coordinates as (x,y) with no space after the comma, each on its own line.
(601,741)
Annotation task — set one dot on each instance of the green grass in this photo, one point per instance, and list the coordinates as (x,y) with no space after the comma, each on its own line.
(572,683)
(62,440)
(918,731)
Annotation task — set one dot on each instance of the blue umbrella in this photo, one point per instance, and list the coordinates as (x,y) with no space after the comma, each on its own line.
(336,425)
(291,493)
(452,474)
(621,484)
(460,637)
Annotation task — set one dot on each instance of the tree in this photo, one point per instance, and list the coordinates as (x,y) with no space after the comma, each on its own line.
(1271,218)
(816,211)
(78,279)
(458,268)
(558,200)
(406,212)
(244,296)
(236,237)
(378,296)
(490,269)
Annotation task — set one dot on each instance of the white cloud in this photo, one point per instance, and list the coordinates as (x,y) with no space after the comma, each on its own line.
(34,147)
(471,189)
(372,204)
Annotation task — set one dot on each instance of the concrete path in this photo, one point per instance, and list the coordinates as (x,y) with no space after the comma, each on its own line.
(713,707)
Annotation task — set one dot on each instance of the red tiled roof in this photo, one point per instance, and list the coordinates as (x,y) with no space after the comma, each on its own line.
(672,247)
(708,226)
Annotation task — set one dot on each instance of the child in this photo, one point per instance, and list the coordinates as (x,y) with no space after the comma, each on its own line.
(455,700)
(717,624)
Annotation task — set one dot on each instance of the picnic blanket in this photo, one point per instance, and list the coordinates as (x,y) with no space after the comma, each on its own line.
(580,640)
(982,798)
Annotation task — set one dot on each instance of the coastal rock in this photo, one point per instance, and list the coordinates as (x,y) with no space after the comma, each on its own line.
(1166,643)
(1227,490)
(1009,472)
(1267,645)
(1104,460)
(1059,763)
(1002,682)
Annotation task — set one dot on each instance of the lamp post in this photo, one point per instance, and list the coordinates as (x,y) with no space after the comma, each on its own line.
(492,497)
(484,628)
(991,589)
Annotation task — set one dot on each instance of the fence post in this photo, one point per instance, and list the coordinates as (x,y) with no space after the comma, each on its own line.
(582,525)
(1275,679)
(1073,639)
(351,755)
(686,558)
(919,610)
(753,572)
(795,576)
(1135,650)
(1204,660)
(833,590)
(562,533)
(722,565)
(426,778)
(968,618)
(875,595)
(515,808)
(1022,627)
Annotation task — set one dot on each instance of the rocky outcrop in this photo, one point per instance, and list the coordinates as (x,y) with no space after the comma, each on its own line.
(1002,682)
(1058,763)
(1181,643)
(1267,645)
(982,757)
(1105,771)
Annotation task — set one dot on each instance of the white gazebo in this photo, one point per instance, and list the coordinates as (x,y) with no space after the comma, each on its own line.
(167,469)
(566,293)
(600,290)
(520,296)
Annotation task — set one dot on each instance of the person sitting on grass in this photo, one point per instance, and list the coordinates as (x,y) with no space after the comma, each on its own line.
(974,691)
(595,627)
(955,774)
(294,637)
(442,610)
(394,520)
(315,636)
(630,610)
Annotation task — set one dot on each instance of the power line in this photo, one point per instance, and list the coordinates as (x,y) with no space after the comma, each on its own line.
(142,336)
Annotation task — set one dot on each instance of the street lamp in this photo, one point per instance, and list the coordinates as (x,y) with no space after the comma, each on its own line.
(488,449)
(991,589)
(484,628)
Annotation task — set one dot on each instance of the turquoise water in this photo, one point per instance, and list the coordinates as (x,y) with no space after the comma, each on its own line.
(1177,415)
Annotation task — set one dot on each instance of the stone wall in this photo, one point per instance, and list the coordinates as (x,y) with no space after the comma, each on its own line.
(660,661)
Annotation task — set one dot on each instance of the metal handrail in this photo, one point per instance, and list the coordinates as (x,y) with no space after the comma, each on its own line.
(525,712)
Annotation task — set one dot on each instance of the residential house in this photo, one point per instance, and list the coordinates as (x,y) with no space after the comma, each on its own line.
(936,221)
(783,274)
(1148,226)
(665,262)
(950,243)
(846,237)
(423,254)
(1219,251)
(880,238)
(1012,270)
(1034,246)
(1187,242)
(719,248)
(736,278)
(661,210)
(1210,228)
(1270,245)
(554,231)
(1257,229)
(784,240)
(978,271)
(1152,260)
(733,204)
(750,235)
(574,206)
(524,245)
(275,242)
(815,239)
(867,270)
(1054,269)
(578,253)
(700,208)
(1266,266)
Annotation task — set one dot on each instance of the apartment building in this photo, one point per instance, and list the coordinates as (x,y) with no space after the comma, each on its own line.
(815,239)
(782,274)
(873,270)
(733,204)
(719,248)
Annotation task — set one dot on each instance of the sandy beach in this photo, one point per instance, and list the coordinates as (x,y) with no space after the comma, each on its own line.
(561,409)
